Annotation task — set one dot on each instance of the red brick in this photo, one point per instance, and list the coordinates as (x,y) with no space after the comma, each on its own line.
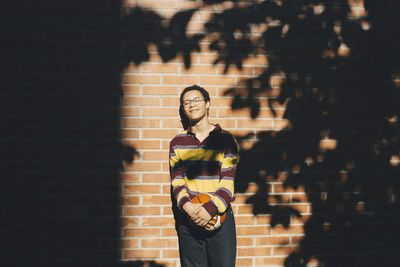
(171,123)
(141,123)
(130,200)
(160,4)
(160,90)
(263,219)
(245,220)
(159,134)
(132,68)
(141,189)
(165,144)
(160,112)
(221,102)
(213,112)
(224,123)
(143,166)
(272,240)
(302,220)
(254,251)
(233,70)
(155,155)
(217,80)
(142,101)
(253,230)
(140,210)
(183,80)
(141,253)
(157,200)
(164,166)
(244,241)
(130,89)
(166,188)
(159,68)
(283,251)
(143,144)
(207,58)
(130,222)
(130,243)
(205,14)
(280,124)
(294,229)
(170,253)
(154,55)
(189,5)
(142,232)
(168,232)
(245,209)
(270,261)
(195,26)
(171,101)
(302,208)
(199,69)
(156,178)
(130,133)
(167,211)
(244,261)
(159,243)
(256,60)
(141,79)
(241,199)
(131,111)
(236,113)
(158,221)
(130,178)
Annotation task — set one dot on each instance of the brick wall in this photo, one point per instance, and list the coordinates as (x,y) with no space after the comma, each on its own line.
(287,157)
(150,119)
(86,85)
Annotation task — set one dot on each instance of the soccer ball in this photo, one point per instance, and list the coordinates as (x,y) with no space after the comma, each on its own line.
(217,221)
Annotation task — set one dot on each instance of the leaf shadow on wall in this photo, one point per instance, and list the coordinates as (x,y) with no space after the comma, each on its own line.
(335,111)
(336,86)
(333,74)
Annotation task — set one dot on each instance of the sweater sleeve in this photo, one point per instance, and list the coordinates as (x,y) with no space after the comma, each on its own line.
(224,195)
(179,187)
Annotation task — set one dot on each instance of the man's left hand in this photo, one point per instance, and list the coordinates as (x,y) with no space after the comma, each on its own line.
(201,217)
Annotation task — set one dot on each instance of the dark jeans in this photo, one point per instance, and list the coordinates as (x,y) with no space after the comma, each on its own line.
(198,248)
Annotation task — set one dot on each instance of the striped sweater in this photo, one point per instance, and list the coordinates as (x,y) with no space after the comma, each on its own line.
(204,167)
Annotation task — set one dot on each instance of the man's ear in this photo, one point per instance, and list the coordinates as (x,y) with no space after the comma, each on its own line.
(208,105)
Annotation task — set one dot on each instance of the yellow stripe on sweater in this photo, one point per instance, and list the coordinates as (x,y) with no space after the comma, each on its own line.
(200,154)
(206,186)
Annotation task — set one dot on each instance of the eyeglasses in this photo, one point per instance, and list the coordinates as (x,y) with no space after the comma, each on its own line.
(195,101)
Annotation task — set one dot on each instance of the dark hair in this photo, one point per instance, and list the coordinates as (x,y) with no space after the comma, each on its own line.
(198,88)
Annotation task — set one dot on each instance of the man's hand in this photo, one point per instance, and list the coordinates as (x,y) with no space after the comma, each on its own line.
(190,208)
(201,217)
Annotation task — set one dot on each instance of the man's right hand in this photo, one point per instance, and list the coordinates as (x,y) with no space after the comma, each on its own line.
(190,208)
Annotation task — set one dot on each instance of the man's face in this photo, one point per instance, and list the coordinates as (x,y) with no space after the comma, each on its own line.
(194,105)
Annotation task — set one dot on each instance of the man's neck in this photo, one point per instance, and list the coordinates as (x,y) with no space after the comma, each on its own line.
(202,127)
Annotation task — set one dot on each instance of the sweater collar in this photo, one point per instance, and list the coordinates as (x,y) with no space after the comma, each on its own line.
(215,130)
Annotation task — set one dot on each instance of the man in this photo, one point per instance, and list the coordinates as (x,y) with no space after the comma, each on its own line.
(203,159)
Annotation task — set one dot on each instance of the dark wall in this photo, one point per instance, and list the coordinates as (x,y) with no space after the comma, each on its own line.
(60,149)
